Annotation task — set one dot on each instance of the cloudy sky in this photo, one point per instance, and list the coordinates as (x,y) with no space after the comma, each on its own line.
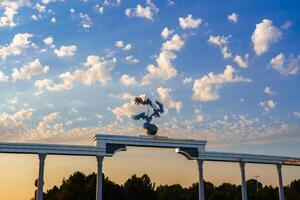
(226,72)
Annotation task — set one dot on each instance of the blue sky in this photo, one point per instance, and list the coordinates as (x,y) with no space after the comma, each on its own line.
(226,72)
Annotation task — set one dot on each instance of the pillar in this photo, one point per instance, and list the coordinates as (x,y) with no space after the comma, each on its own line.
(244,185)
(99,178)
(280,187)
(201,181)
(40,185)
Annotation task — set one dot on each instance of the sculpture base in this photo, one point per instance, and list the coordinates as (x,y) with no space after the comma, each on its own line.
(150,129)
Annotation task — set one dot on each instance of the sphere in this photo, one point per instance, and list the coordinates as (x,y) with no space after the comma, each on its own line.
(150,129)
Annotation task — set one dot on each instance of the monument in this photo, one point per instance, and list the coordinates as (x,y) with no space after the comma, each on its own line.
(150,129)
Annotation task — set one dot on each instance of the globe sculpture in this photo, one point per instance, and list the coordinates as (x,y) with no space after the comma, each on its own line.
(150,129)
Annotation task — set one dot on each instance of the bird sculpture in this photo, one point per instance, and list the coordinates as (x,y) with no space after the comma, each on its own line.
(150,129)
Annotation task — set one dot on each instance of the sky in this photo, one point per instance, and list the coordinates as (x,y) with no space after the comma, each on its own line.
(226,72)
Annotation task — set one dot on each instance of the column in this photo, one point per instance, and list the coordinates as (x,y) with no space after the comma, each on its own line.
(40,185)
(280,187)
(201,181)
(99,178)
(244,185)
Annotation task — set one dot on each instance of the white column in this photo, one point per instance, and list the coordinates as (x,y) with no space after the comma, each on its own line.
(201,181)
(244,185)
(280,187)
(99,178)
(40,185)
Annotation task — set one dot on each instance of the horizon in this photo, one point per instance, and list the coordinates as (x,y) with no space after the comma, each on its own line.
(227,73)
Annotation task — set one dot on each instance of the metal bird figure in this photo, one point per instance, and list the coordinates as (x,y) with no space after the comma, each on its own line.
(150,129)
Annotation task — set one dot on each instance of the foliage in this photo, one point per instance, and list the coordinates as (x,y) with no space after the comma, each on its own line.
(81,187)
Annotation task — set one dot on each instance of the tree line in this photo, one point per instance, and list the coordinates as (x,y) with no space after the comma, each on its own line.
(83,187)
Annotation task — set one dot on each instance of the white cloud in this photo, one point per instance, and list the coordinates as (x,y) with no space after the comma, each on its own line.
(72,10)
(225,117)
(11,8)
(286,25)
(269,91)
(187,80)
(164,95)
(239,129)
(98,71)
(199,118)
(99,116)
(189,22)
(3,77)
(46,2)
(53,20)
(46,131)
(43,126)
(243,63)
(222,43)
(100,9)
(18,44)
(174,44)
(81,119)
(268,105)
(28,71)
(86,21)
(128,80)
(13,101)
(73,110)
(285,66)
(127,96)
(15,123)
(233,17)
(264,35)
(119,43)
(218,40)
(297,114)
(34,17)
(142,12)
(122,45)
(207,88)
(126,110)
(65,51)
(41,8)
(127,47)
(111,3)
(164,69)
(48,41)
(166,33)
(132,60)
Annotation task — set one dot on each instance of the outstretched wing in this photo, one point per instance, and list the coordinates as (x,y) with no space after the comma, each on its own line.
(161,107)
(139,101)
(139,116)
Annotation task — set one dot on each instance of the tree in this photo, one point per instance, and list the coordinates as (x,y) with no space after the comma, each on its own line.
(254,187)
(292,191)
(174,192)
(227,191)
(137,188)
(81,187)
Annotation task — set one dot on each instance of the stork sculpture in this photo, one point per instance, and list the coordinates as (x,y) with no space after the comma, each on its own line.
(150,129)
